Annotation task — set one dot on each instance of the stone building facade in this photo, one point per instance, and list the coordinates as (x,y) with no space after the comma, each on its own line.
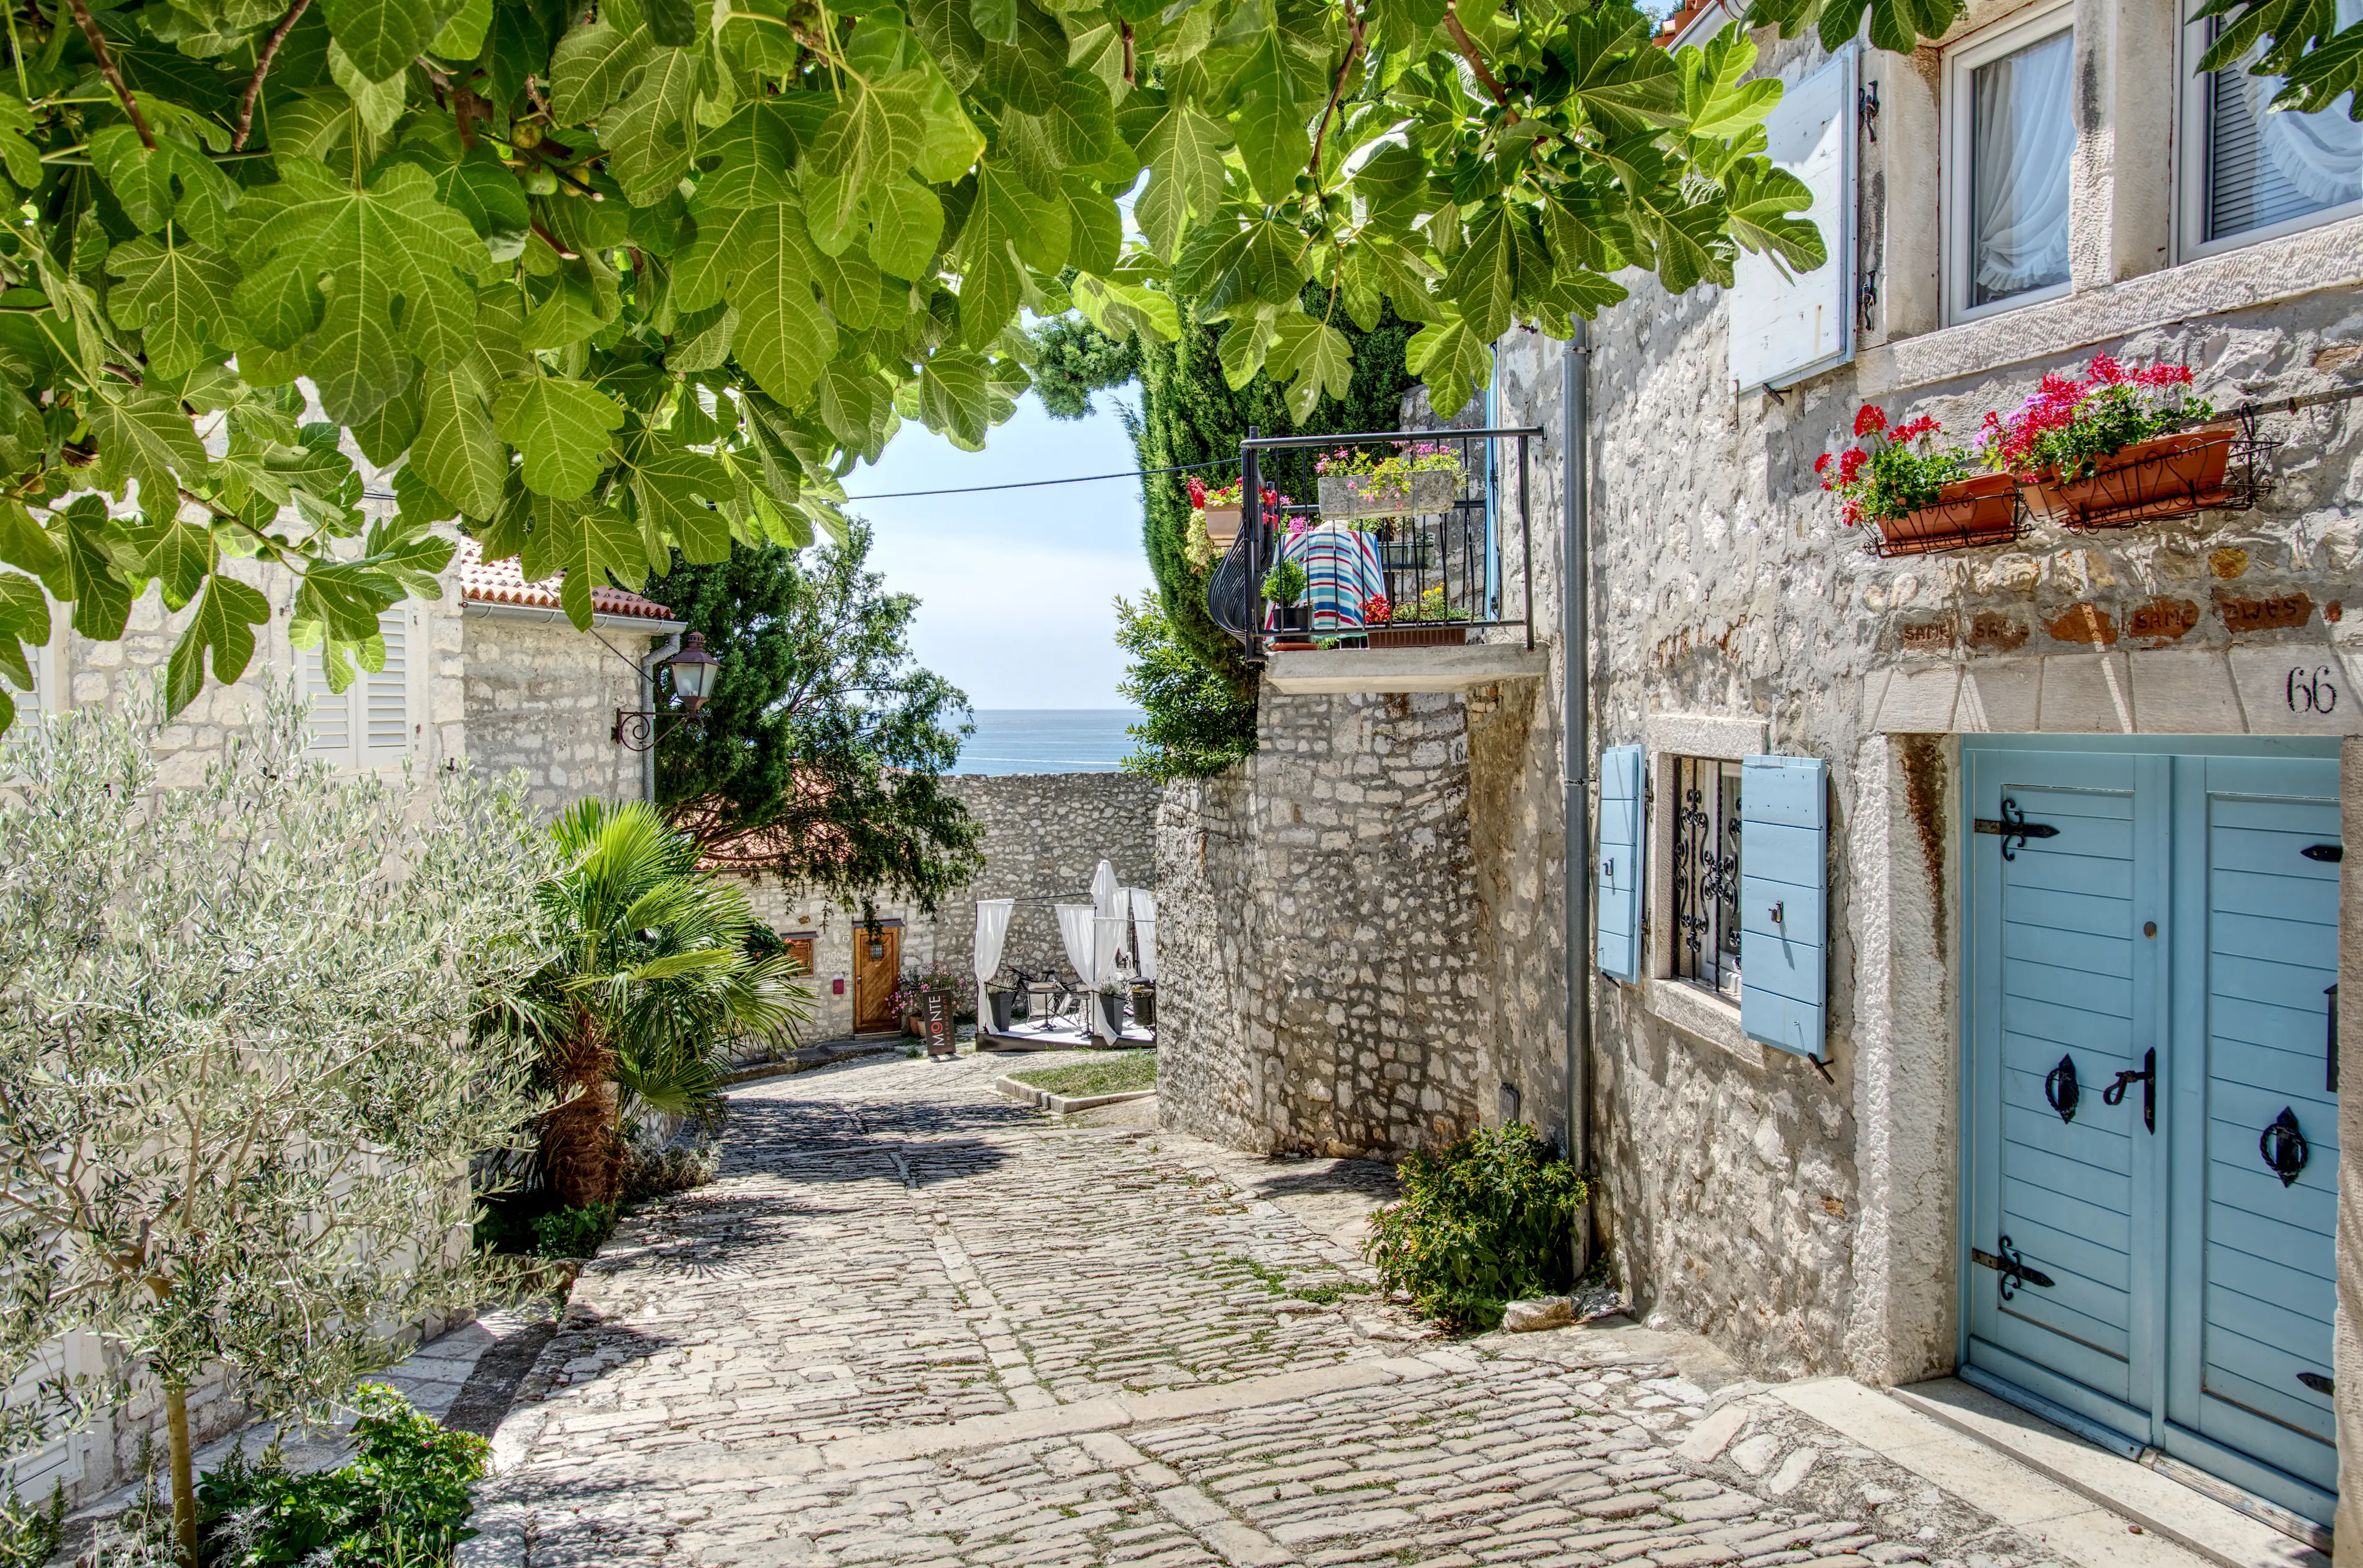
(1832,1214)
(1044,834)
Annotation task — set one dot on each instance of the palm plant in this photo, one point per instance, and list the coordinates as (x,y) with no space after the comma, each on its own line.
(650,980)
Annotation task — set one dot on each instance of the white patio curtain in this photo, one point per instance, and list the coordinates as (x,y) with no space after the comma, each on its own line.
(1104,889)
(992,933)
(1075,935)
(1107,950)
(2024,136)
(1144,932)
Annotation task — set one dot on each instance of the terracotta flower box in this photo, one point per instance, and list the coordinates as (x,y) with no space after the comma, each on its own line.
(1969,513)
(1445,634)
(2166,476)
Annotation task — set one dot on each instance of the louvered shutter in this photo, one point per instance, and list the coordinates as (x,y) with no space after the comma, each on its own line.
(1619,895)
(385,706)
(330,716)
(1783,908)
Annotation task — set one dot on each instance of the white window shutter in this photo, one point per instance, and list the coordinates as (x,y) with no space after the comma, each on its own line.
(386,696)
(1784,830)
(1784,327)
(1618,901)
(330,718)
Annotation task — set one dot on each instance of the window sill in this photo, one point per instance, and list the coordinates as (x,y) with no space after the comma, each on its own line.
(2327,257)
(1703,1015)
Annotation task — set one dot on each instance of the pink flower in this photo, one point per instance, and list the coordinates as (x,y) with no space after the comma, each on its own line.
(2106,369)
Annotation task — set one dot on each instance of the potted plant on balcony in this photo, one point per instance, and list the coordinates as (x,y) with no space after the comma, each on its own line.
(1429,621)
(1921,495)
(2109,448)
(1415,477)
(1284,586)
(1215,516)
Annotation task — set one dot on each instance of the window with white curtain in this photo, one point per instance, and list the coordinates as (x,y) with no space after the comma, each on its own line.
(2011,132)
(2258,172)
(371,723)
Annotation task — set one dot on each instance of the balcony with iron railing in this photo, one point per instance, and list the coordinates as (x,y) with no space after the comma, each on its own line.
(1382,561)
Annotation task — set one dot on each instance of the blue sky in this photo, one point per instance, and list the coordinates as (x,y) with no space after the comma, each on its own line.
(1015,586)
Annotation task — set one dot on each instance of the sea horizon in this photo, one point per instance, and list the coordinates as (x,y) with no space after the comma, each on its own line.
(1048,741)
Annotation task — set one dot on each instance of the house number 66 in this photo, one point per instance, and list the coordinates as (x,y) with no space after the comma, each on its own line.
(2311,691)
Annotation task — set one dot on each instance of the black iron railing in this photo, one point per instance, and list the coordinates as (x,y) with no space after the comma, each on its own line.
(1438,522)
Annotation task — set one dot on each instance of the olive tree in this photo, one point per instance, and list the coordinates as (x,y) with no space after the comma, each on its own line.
(239,1088)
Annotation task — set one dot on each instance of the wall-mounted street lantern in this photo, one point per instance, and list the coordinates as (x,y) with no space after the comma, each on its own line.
(693,671)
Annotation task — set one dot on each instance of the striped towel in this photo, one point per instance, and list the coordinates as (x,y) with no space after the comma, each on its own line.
(1341,568)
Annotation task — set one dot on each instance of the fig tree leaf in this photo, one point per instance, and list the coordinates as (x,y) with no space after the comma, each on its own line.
(561,429)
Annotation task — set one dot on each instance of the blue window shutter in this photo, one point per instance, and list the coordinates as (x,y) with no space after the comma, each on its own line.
(1784,908)
(1619,896)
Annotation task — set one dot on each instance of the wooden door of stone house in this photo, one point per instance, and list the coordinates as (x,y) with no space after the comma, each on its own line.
(877,971)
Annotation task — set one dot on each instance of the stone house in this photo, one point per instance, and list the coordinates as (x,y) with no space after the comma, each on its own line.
(1865,1094)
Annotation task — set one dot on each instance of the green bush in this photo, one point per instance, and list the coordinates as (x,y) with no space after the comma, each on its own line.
(28,1535)
(401,1503)
(1486,1221)
(573,1233)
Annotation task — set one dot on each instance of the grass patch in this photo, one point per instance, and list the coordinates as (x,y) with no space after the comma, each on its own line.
(1113,1073)
(1328,1295)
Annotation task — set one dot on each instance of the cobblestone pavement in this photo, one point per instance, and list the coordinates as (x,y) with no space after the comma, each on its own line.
(913,1323)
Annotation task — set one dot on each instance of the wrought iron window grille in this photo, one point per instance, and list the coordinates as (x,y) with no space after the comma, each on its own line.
(1706,872)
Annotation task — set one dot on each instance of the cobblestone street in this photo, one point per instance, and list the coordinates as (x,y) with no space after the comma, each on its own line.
(914,1323)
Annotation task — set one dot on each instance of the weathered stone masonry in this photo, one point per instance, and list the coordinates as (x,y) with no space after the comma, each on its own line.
(1044,834)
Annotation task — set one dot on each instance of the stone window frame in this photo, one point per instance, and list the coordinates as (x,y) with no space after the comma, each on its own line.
(2128,273)
(1703,1015)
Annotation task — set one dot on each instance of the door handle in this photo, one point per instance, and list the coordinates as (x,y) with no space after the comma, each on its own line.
(2284,1147)
(2060,1088)
(2114,1095)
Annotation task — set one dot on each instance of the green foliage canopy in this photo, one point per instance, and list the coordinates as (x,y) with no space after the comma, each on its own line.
(612,280)
(1195,723)
(609,282)
(821,758)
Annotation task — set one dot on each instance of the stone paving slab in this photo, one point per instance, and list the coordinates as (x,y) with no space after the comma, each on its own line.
(914,1324)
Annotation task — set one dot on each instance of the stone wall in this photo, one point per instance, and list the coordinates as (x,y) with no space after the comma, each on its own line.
(1044,834)
(542,696)
(1327,990)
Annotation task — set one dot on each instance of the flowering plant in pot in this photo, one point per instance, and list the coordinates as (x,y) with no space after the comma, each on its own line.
(1214,514)
(2109,447)
(1430,620)
(1919,494)
(1415,477)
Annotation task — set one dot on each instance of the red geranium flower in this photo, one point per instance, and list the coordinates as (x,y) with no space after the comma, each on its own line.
(1870,421)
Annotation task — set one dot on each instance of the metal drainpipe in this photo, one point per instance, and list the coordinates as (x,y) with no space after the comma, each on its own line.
(1575,754)
(649,661)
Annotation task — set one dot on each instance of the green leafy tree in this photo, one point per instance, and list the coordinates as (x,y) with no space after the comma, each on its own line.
(1196,723)
(1191,415)
(649,984)
(822,761)
(238,1086)
(614,281)
(1074,359)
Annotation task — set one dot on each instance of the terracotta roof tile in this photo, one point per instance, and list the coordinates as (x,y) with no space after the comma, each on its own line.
(503,583)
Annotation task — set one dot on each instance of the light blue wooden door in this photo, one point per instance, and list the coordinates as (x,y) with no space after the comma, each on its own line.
(2254,1124)
(2162,1266)
(2066,997)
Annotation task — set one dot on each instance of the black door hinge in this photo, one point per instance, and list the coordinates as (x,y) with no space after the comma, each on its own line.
(1867,110)
(2333,853)
(2013,1269)
(2014,829)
